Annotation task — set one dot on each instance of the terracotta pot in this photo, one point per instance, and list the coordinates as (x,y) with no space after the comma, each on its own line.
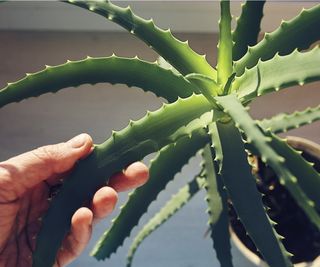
(312,149)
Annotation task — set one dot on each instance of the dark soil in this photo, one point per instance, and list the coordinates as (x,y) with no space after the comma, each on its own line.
(302,239)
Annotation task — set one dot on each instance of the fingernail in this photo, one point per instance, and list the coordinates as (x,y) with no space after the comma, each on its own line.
(78,141)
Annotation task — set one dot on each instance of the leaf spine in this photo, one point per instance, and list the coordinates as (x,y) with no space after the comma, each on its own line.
(267,36)
(110,17)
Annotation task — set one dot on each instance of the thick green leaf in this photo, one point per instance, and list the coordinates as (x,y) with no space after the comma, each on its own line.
(129,71)
(245,197)
(308,178)
(224,64)
(207,86)
(277,73)
(162,170)
(177,53)
(285,122)
(217,208)
(298,33)
(134,142)
(248,27)
(166,65)
(262,144)
(176,203)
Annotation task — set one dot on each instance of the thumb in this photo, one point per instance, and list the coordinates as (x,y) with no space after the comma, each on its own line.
(27,170)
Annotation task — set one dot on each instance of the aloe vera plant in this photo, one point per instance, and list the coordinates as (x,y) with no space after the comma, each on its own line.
(207,111)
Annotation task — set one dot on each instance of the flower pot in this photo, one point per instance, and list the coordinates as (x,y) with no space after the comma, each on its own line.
(301,237)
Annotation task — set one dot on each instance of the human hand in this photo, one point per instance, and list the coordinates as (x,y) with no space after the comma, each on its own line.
(26,183)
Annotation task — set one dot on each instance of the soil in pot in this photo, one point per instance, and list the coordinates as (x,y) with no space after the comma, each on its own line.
(302,238)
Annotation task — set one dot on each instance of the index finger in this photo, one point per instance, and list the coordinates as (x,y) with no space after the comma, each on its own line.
(134,176)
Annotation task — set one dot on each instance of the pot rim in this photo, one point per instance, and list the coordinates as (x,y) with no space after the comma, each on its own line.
(300,143)
(254,259)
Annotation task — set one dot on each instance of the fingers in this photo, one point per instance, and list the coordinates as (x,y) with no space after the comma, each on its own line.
(102,205)
(134,176)
(28,169)
(79,236)
(103,202)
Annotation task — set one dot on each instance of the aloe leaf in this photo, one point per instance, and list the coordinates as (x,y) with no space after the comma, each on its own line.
(278,73)
(129,71)
(284,122)
(166,65)
(160,174)
(298,33)
(246,199)
(196,124)
(217,208)
(207,86)
(176,203)
(262,143)
(227,86)
(134,142)
(177,53)
(308,178)
(224,64)
(248,28)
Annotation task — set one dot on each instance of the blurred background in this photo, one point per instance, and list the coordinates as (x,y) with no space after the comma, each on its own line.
(37,33)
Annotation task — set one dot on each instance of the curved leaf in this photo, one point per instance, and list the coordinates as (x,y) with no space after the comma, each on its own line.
(248,28)
(262,143)
(177,202)
(217,208)
(307,177)
(298,33)
(132,72)
(284,122)
(207,86)
(160,174)
(177,53)
(278,73)
(134,142)
(245,197)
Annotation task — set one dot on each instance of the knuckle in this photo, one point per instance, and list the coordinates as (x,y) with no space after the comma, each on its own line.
(7,189)
(49,155)
(5,173)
